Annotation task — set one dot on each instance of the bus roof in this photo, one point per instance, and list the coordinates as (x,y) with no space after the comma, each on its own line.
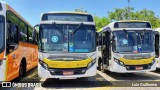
(131,21)
(89,20)
(111,25)
(11,9)
(66,12)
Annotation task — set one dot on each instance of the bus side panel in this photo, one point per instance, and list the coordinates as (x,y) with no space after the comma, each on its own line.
(33,55)
(14,59)
(25,50)
(30,51)
(32,58)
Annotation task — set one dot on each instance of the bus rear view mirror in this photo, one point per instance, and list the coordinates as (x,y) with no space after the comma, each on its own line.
(35,34)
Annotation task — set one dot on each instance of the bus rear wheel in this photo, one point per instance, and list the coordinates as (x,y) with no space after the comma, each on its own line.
(22,71)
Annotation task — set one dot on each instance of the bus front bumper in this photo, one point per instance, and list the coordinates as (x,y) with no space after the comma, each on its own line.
(47,74)
(122,69)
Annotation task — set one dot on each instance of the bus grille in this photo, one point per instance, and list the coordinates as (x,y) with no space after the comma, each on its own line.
(133,67)
(75,71)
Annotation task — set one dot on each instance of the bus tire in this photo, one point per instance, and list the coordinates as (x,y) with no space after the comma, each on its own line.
(22,70)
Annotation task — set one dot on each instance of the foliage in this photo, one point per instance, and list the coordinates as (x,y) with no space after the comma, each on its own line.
(127,13)
(145,15)
(101,22)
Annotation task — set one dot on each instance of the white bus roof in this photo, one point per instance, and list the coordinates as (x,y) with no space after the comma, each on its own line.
(68,22)
(67,12)
(111,26)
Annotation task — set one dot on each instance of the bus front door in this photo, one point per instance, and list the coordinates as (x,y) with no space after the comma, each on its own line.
(108,49)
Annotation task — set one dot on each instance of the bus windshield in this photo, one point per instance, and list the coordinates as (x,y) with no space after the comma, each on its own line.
(133,41)
(1,32)
(60,38)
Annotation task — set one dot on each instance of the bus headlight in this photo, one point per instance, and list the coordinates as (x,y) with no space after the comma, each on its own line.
(153,61)
(43,64)
(91,63)
(118,62)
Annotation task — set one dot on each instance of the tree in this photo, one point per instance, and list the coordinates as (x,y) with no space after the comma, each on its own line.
(120,14)
(145,15)
(101,22)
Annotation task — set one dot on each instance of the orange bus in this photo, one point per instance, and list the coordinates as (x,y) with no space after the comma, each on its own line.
(18,48)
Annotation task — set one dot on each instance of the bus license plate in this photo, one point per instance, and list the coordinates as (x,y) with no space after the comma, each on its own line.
(139,68)
(67,72)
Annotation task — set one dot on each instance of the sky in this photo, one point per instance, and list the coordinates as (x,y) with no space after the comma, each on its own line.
(32,9)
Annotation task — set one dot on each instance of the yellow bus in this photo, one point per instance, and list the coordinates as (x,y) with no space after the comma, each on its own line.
(126,47)
(18,50)
(67,45)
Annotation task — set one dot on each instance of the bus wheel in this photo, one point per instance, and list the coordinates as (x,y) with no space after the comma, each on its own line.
(101,68)
(21,71)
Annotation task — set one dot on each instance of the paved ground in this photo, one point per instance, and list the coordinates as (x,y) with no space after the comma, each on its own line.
(102,81)
(105,81)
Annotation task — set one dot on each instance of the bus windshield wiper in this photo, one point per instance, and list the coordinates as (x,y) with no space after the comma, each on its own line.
(59,29)
(77,28)
(126,33)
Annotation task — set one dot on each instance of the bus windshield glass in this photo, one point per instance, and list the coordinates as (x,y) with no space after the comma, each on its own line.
(1,32)
(59,38)
(133,41)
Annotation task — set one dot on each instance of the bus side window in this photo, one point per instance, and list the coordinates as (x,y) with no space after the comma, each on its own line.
(23,32)
(13,39)
(35,37)
(29,32)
